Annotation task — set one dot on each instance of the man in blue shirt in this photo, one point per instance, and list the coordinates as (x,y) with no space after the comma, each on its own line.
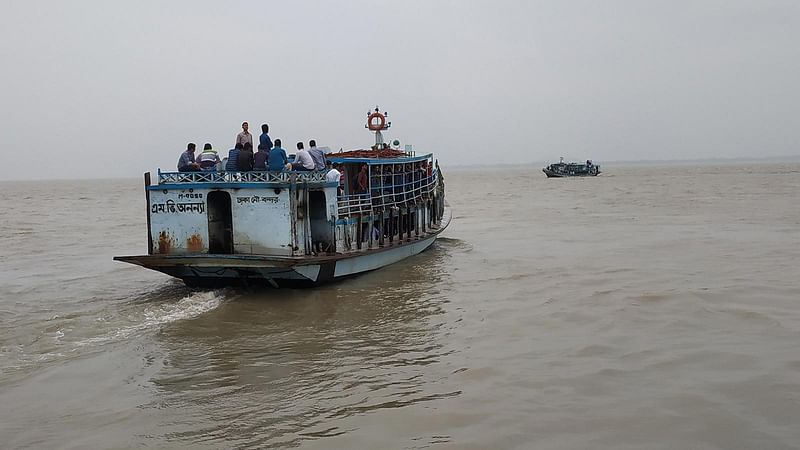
(233,158)
(277,158)
(264,142)
(186,162)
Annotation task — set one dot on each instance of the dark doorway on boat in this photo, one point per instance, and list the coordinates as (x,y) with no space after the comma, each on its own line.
(220,223)
(321,228)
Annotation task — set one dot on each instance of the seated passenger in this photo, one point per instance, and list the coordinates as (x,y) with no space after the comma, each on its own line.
(186,162)
(277,160)
(245,156)
(316,155)
(233,158)
(302,160)
(208,159)
(260,158)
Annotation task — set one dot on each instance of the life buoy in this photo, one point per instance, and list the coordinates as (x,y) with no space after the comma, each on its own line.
(381,121)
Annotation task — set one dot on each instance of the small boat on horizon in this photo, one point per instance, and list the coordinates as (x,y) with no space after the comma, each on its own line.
(572,169)
(295,228)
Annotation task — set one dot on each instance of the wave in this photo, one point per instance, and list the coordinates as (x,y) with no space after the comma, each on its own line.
(154,316)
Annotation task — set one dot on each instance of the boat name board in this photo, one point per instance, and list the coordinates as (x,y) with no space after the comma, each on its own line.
(170,206)
(256,199)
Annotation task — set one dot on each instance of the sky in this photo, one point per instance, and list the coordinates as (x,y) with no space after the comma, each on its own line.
(99,89)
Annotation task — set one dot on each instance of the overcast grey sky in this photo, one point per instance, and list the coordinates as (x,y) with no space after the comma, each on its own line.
(116,88)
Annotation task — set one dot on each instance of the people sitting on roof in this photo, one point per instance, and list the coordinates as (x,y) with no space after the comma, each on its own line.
(260,158)
(277,160)
(245,162)
(302,160)
(316,155)
(187,163)
(233,158)
(208,159)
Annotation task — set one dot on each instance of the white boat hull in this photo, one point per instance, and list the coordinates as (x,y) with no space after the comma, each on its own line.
(217,270)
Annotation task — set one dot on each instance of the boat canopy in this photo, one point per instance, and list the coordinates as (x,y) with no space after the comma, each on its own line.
(372,161)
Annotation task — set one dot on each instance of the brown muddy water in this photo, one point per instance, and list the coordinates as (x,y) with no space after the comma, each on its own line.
(647,308)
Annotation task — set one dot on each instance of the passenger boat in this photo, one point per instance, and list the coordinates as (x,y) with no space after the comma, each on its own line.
(562,169)
(294,228)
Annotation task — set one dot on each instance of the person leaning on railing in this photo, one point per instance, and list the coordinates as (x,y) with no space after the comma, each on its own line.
(186,162)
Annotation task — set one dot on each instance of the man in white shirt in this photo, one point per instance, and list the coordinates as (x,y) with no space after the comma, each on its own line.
(333,175)
(302,160)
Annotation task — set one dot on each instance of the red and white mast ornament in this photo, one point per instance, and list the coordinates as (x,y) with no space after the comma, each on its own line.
(376,121)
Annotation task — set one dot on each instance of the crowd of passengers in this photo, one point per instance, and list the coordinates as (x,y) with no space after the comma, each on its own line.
(268,156)
(387,180)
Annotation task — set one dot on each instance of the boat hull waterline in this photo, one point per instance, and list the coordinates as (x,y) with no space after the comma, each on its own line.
(210,270)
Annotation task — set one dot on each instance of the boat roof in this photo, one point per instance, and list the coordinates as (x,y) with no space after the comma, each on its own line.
(376,157)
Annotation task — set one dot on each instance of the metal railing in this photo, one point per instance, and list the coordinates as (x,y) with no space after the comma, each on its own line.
(409,189)
(260,176)
(354,204)
(399,189)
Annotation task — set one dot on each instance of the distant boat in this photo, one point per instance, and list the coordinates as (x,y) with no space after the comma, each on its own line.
(562,169)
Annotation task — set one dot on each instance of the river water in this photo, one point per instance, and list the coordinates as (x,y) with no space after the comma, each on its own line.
(647,308)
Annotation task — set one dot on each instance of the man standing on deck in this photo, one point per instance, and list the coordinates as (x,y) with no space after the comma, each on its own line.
(316,155)
(334,176)
(186,162)
(244,136)
(264,142)
(302,160)
(362,181)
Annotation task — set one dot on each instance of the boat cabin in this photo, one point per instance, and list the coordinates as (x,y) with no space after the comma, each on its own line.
(293,213)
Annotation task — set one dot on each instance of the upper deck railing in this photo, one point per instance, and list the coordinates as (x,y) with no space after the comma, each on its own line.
(389,190)
(260,176)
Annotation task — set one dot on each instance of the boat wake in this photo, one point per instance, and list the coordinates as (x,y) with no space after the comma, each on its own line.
(189,307)
(78,334)
(154,316)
